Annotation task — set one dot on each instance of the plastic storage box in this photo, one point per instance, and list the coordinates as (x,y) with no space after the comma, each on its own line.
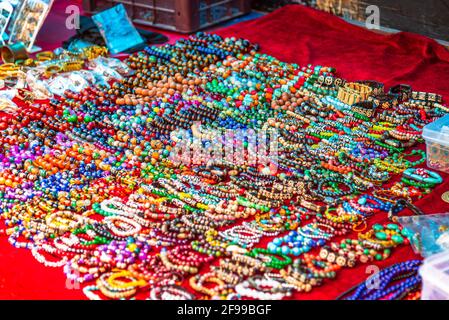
(436,135)
(185,16)
(435,276)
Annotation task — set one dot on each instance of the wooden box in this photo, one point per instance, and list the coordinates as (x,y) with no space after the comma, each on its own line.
(430,17)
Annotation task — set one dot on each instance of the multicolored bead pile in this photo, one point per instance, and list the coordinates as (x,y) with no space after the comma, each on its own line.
(88,182)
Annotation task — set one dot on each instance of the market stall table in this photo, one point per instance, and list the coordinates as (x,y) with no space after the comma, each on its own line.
(301,35)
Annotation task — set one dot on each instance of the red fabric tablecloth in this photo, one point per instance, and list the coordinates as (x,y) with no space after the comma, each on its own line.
(301,35)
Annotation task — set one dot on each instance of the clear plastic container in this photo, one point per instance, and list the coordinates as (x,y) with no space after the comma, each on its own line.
(436,135)
(435,276)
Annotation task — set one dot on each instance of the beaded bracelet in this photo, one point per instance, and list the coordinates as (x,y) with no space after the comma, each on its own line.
(301,285)
(423,175)
(378,87)
(402,91)
(426,96)
(171,292)
(272,260)
(259,289)
(366,108)
(197,283)
(384,101)
(353,93)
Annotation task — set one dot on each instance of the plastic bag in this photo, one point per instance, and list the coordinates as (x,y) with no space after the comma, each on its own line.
(101,63)
(117,29)
(428,234)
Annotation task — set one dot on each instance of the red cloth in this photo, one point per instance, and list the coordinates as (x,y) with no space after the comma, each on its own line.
(301,35)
